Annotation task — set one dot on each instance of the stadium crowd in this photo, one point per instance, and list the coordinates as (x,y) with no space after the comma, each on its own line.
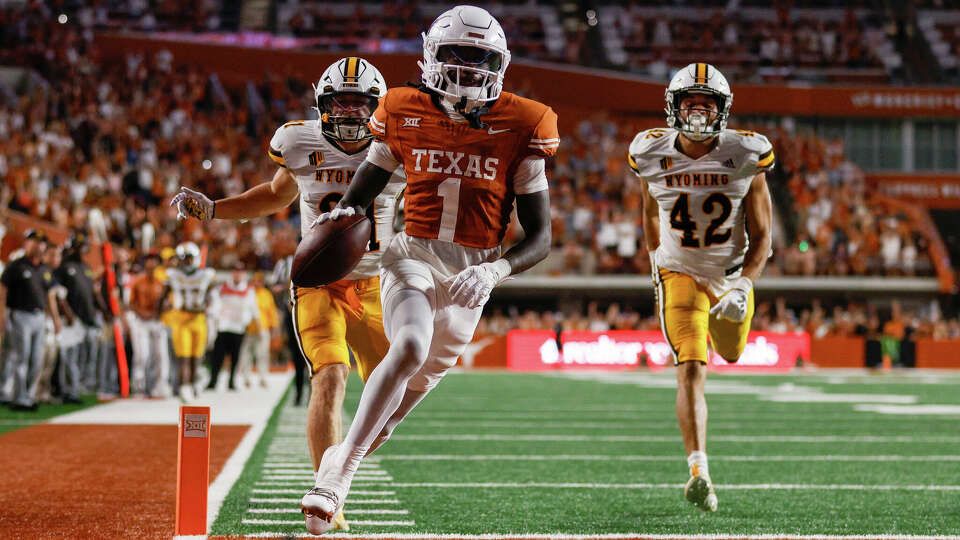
(771,50)
(106,146)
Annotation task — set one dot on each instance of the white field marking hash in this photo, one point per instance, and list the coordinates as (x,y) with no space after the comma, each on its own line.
(352,522)
(562,536)
(353,511)
(825,487)
(296,491)
(309,470)
(816,397)
(593,457)
(910,409)
(276,500)
(291,486)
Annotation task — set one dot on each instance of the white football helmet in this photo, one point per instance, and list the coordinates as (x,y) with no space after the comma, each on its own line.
(465,56)
(347,94)
(189,255)
(704,79)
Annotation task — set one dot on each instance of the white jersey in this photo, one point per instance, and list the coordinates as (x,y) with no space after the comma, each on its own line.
(702,218)
(323,174)
(190,289)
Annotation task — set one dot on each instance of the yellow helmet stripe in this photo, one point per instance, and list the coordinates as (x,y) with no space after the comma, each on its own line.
(633,163)
(766,159)
(701,73)
(352,64)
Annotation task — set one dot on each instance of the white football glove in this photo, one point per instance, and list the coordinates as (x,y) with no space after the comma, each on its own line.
(193,203)
(732,306)
(335,214)
(471,287)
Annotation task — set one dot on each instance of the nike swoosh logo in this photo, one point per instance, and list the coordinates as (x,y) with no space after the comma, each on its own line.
(492,131)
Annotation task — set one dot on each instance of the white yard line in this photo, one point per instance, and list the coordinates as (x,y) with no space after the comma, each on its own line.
(594,457)
(562,536)
(675,438)
(275,500)
(297,486)
(309,470)
(349,511)
(825,487)
(310,477)
(352,522)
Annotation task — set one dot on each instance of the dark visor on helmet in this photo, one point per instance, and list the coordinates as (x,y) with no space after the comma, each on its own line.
(468,56)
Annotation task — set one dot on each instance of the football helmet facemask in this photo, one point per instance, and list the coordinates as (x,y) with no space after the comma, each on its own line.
(347,94)
(697,124)
(465,56)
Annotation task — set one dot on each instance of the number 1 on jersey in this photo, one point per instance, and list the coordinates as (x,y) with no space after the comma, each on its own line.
(449,191)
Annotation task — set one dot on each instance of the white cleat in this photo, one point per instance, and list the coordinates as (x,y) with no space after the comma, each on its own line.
(699,491)
(321,507)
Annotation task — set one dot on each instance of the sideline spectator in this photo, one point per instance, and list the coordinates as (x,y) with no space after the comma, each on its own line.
(26,283)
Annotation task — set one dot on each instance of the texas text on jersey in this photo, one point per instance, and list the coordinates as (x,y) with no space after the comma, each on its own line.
(702,229)
(461,180)
(323,172)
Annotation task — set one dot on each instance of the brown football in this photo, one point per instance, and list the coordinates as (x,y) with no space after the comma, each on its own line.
(330,251)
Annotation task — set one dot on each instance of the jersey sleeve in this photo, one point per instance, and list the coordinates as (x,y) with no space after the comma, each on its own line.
(378,121)
(545,139)
(765,156)
(635,153)
(277,145)
(531,176)
(382,156)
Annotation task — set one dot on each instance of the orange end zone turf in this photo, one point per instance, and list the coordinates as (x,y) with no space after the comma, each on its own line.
(193,470)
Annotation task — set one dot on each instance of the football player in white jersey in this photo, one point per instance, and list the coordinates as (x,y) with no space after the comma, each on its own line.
(189,286)
(316,161)
(706,214)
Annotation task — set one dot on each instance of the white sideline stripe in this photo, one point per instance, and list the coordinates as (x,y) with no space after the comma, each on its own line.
(348,503)
(233,468)
(593,457)
(354,511)
(813,487)
(352,522)
(671,439)
(561,536)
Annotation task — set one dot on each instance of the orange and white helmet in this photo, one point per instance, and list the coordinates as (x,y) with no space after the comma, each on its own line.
(465,56)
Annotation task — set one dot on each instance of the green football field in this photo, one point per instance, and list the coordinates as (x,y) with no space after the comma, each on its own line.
(594,454)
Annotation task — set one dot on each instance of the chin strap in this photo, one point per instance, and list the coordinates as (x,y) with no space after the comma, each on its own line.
(473,116)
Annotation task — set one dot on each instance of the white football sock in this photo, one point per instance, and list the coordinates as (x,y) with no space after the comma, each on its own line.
(387,384)
(698,459)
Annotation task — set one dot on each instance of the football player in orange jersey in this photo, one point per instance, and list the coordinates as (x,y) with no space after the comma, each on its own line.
(469,151)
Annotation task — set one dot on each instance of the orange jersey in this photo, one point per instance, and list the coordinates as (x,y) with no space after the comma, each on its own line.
(460,179)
